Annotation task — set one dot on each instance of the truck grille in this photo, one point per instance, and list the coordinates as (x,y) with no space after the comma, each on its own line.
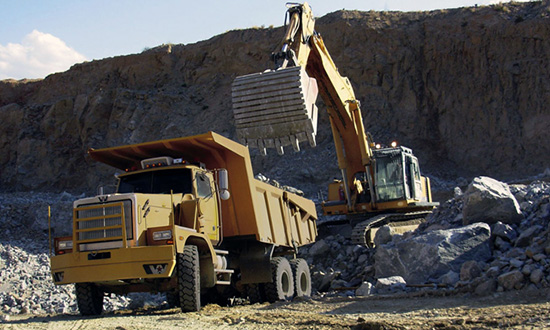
(96,224)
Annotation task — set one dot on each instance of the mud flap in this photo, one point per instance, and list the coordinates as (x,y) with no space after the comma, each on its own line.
(255,262)
(275,108)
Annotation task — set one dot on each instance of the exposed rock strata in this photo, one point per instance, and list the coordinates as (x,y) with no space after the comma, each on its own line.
(468,89)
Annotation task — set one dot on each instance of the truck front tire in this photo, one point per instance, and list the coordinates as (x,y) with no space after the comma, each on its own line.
(302,277)
(189,286)
(89,298)
(282,285)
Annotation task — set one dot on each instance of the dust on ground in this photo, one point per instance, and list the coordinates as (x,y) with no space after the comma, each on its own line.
(527,309)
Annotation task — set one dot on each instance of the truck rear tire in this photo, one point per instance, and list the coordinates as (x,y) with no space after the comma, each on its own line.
(189,285)
(282,285)
(255,293)
(302,277)
(89,299)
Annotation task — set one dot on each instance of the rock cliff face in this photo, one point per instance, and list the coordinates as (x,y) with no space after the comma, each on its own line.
(467,89)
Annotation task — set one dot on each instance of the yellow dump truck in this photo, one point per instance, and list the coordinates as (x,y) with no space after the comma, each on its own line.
(188,219)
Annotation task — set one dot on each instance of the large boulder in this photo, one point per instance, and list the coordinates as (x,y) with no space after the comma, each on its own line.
(488,200)
(319,249)
(511,280)
(390,284)
(430,256)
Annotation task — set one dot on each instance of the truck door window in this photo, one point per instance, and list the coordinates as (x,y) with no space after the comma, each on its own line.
(203,185)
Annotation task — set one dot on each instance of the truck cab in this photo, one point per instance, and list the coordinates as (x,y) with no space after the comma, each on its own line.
(192,184)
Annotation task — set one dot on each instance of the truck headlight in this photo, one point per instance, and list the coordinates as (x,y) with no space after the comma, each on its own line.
(65,245)
(162,235)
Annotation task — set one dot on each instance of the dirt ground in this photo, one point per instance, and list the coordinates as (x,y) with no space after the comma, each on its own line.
(511,310)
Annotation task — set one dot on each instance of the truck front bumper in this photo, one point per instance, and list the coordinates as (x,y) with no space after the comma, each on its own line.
(114,265)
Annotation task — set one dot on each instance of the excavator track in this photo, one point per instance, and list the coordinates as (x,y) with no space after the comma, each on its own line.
(360,232)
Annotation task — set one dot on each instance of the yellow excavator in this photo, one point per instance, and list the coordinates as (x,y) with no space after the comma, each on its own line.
(276,108)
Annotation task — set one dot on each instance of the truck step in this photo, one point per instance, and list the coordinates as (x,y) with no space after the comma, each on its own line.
(221,252)
(223,276)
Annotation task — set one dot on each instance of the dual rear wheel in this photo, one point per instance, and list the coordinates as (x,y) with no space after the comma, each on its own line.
(289,279)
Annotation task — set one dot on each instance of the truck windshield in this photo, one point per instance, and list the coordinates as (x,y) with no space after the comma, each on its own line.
(389,177)
(157,182)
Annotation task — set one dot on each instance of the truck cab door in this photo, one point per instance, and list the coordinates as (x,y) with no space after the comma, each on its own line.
(208,206)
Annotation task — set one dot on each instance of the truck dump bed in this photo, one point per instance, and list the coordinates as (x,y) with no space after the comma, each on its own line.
(255,208)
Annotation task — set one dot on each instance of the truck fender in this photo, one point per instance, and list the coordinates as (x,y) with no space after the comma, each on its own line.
(185,236)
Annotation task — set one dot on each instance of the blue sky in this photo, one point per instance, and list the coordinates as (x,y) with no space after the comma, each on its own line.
(39,37)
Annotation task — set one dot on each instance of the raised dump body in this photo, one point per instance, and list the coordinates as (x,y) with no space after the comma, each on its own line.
(188,216)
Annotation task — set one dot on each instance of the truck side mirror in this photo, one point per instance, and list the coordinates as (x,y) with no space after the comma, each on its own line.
(223,182)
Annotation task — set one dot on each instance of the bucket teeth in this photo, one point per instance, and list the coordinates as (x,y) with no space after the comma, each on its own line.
(274,109)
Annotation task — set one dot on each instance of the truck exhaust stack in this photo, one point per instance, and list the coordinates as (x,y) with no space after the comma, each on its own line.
(275,108)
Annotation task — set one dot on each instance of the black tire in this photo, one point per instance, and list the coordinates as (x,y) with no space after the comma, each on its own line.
(172,299)
(221,295)
(282,285)
(255,293)
(189,285)
(89,299)
(302,277)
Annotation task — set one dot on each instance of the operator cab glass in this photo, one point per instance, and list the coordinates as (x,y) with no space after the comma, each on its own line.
(389,175)
(163,181)
(397,175)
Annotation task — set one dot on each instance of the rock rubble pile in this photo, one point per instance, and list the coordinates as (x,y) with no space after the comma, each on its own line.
(491,238)
(449,252)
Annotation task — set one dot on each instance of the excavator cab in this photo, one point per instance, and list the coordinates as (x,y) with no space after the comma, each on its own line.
(396,174)
(397,177)
(397,184)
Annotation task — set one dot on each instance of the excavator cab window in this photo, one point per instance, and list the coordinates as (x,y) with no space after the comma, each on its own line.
(413,182)
(390,174)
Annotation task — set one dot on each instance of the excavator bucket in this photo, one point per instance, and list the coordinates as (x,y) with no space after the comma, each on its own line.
(275,108)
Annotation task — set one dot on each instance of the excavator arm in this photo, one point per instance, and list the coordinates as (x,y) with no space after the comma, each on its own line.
(353,148)
(256,101)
